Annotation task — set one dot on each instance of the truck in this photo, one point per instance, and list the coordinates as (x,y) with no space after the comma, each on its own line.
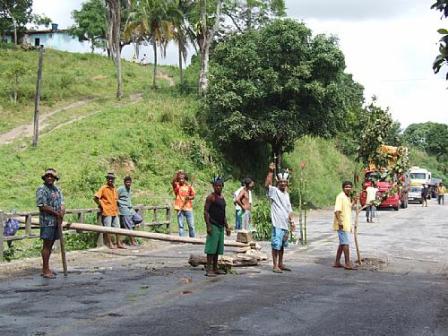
(418,176)
(396,187)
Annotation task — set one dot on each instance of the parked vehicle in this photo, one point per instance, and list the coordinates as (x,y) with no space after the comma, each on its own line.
(415,195)
(420,176)
(396,187)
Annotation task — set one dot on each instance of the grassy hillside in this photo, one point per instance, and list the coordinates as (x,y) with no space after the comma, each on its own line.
(324,171)
(66,77)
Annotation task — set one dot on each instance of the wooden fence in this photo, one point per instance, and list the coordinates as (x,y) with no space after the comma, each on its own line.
(153,216)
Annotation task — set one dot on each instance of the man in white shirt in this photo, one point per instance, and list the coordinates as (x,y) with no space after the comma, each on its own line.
(371,191)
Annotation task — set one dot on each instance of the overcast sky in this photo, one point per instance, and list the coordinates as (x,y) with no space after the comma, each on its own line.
(389,47)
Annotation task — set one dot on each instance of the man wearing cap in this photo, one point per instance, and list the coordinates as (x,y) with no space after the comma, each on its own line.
(50,202)
(107,199)
(216,221)
(281,217)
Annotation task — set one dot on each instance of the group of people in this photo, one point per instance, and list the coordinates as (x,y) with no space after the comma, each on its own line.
(114,204)
(116,210)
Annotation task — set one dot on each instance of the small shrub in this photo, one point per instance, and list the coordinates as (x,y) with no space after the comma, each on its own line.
(80,241)
(189,124)
(166,117)
(261,215)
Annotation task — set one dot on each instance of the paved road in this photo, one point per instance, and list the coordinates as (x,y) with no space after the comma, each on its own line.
(156,293)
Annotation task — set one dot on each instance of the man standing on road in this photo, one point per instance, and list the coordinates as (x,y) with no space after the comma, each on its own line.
(244,200)
(281,217)
(129,218)
(50,202)
(441,190)
(238,209)
(342,224)
(107,199)
(215,219)
(185,194)
(370,199)
(425,192)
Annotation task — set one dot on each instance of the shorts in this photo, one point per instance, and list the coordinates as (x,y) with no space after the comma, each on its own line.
(279,238)
(214,243)
(129,222)
(110,221)
(49,233)
(343,237)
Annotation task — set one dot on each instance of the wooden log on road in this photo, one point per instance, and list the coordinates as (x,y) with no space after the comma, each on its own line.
(224,261)
(144,234)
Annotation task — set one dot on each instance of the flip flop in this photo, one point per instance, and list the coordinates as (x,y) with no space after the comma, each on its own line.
(284,268)
(211,275)
(338,266)
(49,276)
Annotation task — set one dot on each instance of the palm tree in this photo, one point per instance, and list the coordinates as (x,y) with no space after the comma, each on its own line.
(153,21)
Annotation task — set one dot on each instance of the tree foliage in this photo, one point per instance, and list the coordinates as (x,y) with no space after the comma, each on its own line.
(442,57)
(430,137)
(14,15)
(252,14)
(90,23)
(276,84)
(376,128)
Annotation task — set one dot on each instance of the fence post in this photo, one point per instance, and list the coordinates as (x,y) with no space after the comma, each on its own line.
(100,240)
(168,219)
(2,223)
(81,217)
(28,225)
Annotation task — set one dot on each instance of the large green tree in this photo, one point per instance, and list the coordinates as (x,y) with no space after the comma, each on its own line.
(14,15)
(430,137)
(90,23)
(252,14)
(276,84)
(442,57)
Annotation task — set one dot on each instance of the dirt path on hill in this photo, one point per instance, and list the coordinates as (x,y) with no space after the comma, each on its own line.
(26,130)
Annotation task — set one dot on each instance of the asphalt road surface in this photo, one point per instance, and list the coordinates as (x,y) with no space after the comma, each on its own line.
(402,291)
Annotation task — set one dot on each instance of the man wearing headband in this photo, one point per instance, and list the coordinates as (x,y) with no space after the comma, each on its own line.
(281,216)
(215,219)
(50,202)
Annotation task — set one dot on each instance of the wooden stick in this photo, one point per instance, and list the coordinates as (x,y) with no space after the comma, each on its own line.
(144,234)
(61,242)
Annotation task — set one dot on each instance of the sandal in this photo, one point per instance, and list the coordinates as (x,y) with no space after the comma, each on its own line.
(284,268)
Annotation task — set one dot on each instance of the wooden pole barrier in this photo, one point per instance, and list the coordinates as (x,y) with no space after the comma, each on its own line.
(144,234)
(61,242)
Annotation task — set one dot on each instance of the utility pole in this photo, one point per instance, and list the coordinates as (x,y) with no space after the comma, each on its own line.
(37,97)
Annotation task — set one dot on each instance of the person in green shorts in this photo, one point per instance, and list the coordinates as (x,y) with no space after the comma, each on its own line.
(215,219)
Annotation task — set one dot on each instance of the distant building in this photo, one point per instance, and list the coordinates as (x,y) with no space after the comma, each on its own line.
(55,38)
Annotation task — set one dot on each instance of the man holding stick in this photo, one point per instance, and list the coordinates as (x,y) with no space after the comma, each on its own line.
(50,202)
(281,217)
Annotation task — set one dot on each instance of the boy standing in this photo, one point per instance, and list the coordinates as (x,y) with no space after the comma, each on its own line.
(215,219)
(185,194)
(129,218)
(342,224)
(107,199)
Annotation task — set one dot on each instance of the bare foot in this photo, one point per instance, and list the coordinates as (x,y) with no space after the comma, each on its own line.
(121,246)
(277,270)
(112,246)
(337,265)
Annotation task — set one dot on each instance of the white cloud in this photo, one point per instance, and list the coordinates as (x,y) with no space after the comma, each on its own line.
(58,11)
(390,54)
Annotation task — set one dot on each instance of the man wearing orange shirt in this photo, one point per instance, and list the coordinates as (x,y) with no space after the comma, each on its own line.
(107,199)
(184,193)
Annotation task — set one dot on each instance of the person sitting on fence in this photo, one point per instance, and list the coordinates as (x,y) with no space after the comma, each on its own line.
(129,218)
(244,200)
(50,201)
(107,199)
(215,219)
(185,194)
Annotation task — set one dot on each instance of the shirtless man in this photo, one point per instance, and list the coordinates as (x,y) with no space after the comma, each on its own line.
(244,200)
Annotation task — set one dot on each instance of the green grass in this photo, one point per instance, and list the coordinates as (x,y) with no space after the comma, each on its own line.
(325,170)
(67,77)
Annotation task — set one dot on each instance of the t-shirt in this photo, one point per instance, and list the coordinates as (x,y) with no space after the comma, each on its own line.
(180,203)
(52,197)
(441,190)
(108,199)
(280,207)
(371,194)
(344,205)
(124,201)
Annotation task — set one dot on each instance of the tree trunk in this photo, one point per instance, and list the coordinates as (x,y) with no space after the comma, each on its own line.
(181,70)
(37,98)
(154,75)
(205,42)
(113,37)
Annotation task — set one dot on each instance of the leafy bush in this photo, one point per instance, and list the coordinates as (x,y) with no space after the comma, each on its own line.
(261,217)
